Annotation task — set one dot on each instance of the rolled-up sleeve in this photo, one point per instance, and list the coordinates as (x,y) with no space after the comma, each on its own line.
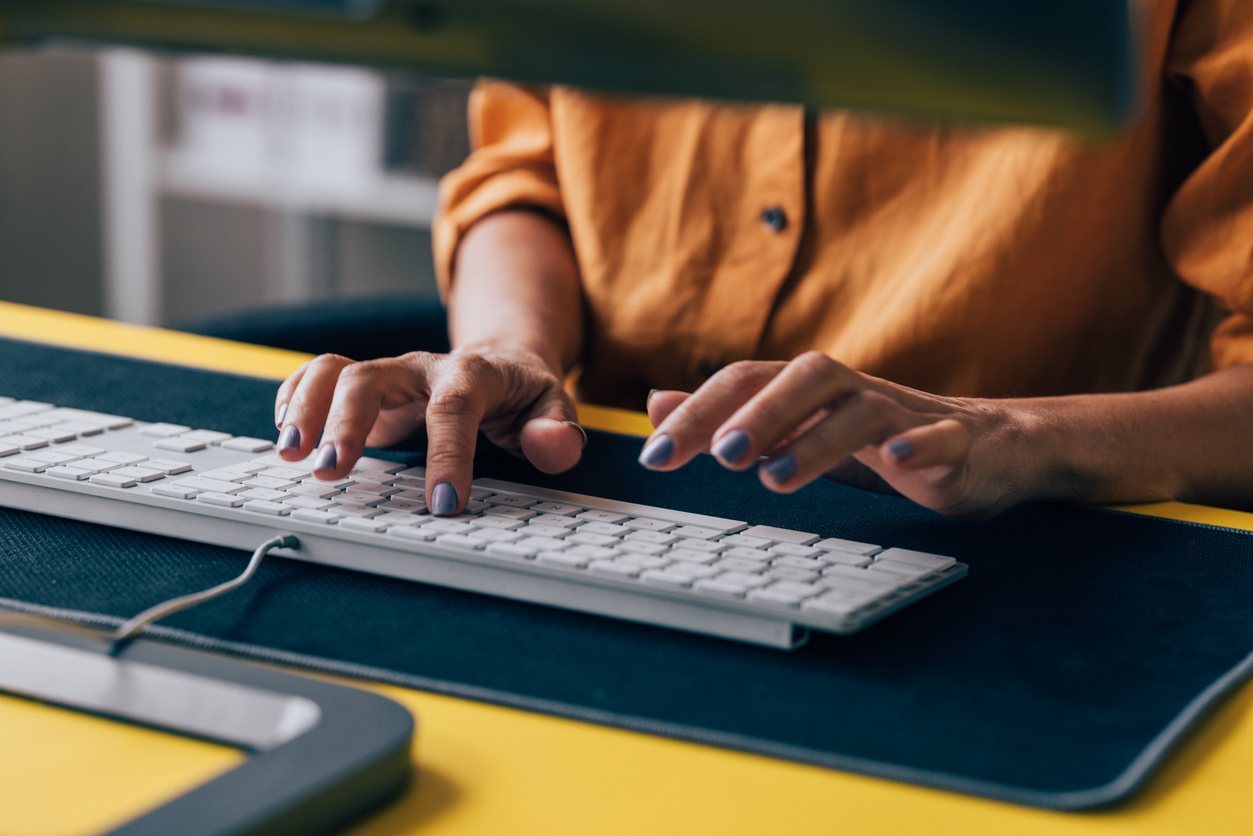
(511,165)
(1207,228)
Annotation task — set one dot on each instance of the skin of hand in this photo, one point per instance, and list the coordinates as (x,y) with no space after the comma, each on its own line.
(967,458)
(515,317)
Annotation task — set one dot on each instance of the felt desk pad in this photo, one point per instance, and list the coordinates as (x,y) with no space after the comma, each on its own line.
(1082,645)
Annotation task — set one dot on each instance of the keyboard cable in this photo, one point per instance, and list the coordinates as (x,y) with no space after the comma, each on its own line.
(132,627)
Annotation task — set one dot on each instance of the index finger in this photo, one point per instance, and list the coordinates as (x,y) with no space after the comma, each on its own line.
(461,392)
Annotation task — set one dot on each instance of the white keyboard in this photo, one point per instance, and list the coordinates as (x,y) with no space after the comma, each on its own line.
(686,571)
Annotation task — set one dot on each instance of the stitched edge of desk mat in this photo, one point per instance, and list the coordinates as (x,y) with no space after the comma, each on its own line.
(185,395)
(1131,779)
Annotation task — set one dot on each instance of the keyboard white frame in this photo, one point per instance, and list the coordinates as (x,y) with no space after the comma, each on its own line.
(428,562)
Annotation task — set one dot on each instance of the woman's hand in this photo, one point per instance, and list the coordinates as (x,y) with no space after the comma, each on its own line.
(804,419)
(512,395)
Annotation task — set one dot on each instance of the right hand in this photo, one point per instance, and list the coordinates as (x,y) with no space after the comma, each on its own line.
(512,395)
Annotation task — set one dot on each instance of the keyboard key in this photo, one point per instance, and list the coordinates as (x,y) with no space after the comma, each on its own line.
(793,550)
(264,495)
(773,596)
(375,488)
(9,449)
(924,559)
(461,542)
(557,508)
(24,442)
(223,499)
(550,531)
(746,553)
(304,489)
(568,560)
(616,568)
(53,434)
(513,551)
(602,516)
(696,532)
(412,532)
(339,484)
(411,494)
(690,556)
(405,505)
(164,430)
(311,515)
(743,578)
(644,562)
(848,576)
(780,535)
(26,465)
(377,465)
(746,541)
(122,458)
(207,436)
(695,545)
(835,544)
(592,539)
(846,558)
(140,473)
(833,606)
(178,445)
(168,466)
(83,451)
(635,547)
(786,573)
(112,481)
(360,497)
(510,513)
(274,484)
(225,475)
(293,474)
(495,535)
(438,526)
(72,473)
(298,501)
(81,427)
(354,510)
(413,473)
(555,520)
(52,457)
(400,518)
(799,563)
(718,588)
(262,506)
(899,569)
(604,528)
(174,491)
(739,564)
(646,524)
(366,524)
(591,552)
(512,501)
(210,485)
(247,445)
(496,522)
(540,544)
(657,537)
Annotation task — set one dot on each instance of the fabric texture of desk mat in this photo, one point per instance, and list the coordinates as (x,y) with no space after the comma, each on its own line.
(1080,648)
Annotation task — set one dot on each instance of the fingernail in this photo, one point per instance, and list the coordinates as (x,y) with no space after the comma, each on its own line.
(282,413)
(582,431)
(657,452)
(900,449)
(731,447)
(443,499)
(779,468)
(326,458)
(289,439)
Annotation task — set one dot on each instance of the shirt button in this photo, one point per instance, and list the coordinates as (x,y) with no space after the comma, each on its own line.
(774,218)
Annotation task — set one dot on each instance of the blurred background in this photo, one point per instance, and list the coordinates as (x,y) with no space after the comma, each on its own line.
(160,190)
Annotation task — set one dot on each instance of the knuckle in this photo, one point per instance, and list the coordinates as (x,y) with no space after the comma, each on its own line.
(741,373)
(817,363)
(449,453)
(450,403)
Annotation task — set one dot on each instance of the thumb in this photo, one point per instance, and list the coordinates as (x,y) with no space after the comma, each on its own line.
(551,438)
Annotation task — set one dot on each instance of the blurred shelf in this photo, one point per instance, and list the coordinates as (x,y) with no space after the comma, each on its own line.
(403,200)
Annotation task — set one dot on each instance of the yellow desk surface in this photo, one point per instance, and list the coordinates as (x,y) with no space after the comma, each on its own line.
(488,770)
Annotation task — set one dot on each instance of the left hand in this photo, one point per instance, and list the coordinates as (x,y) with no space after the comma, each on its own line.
(963,457)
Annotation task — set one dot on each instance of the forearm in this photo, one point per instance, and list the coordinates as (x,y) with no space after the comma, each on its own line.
(516,285)
(1189,442)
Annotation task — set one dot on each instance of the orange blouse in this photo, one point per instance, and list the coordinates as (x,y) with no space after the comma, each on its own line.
(962,260)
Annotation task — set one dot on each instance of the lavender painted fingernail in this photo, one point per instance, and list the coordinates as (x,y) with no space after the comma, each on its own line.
(731,447)
(326,458)
(289,439)
(657,452)
(779,468)
(443,499)
(900,449)
(282,413)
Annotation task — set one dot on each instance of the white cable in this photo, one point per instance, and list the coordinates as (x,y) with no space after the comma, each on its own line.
(131,628)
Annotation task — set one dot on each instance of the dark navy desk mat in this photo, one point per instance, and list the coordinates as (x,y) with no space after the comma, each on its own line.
(1080,648)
